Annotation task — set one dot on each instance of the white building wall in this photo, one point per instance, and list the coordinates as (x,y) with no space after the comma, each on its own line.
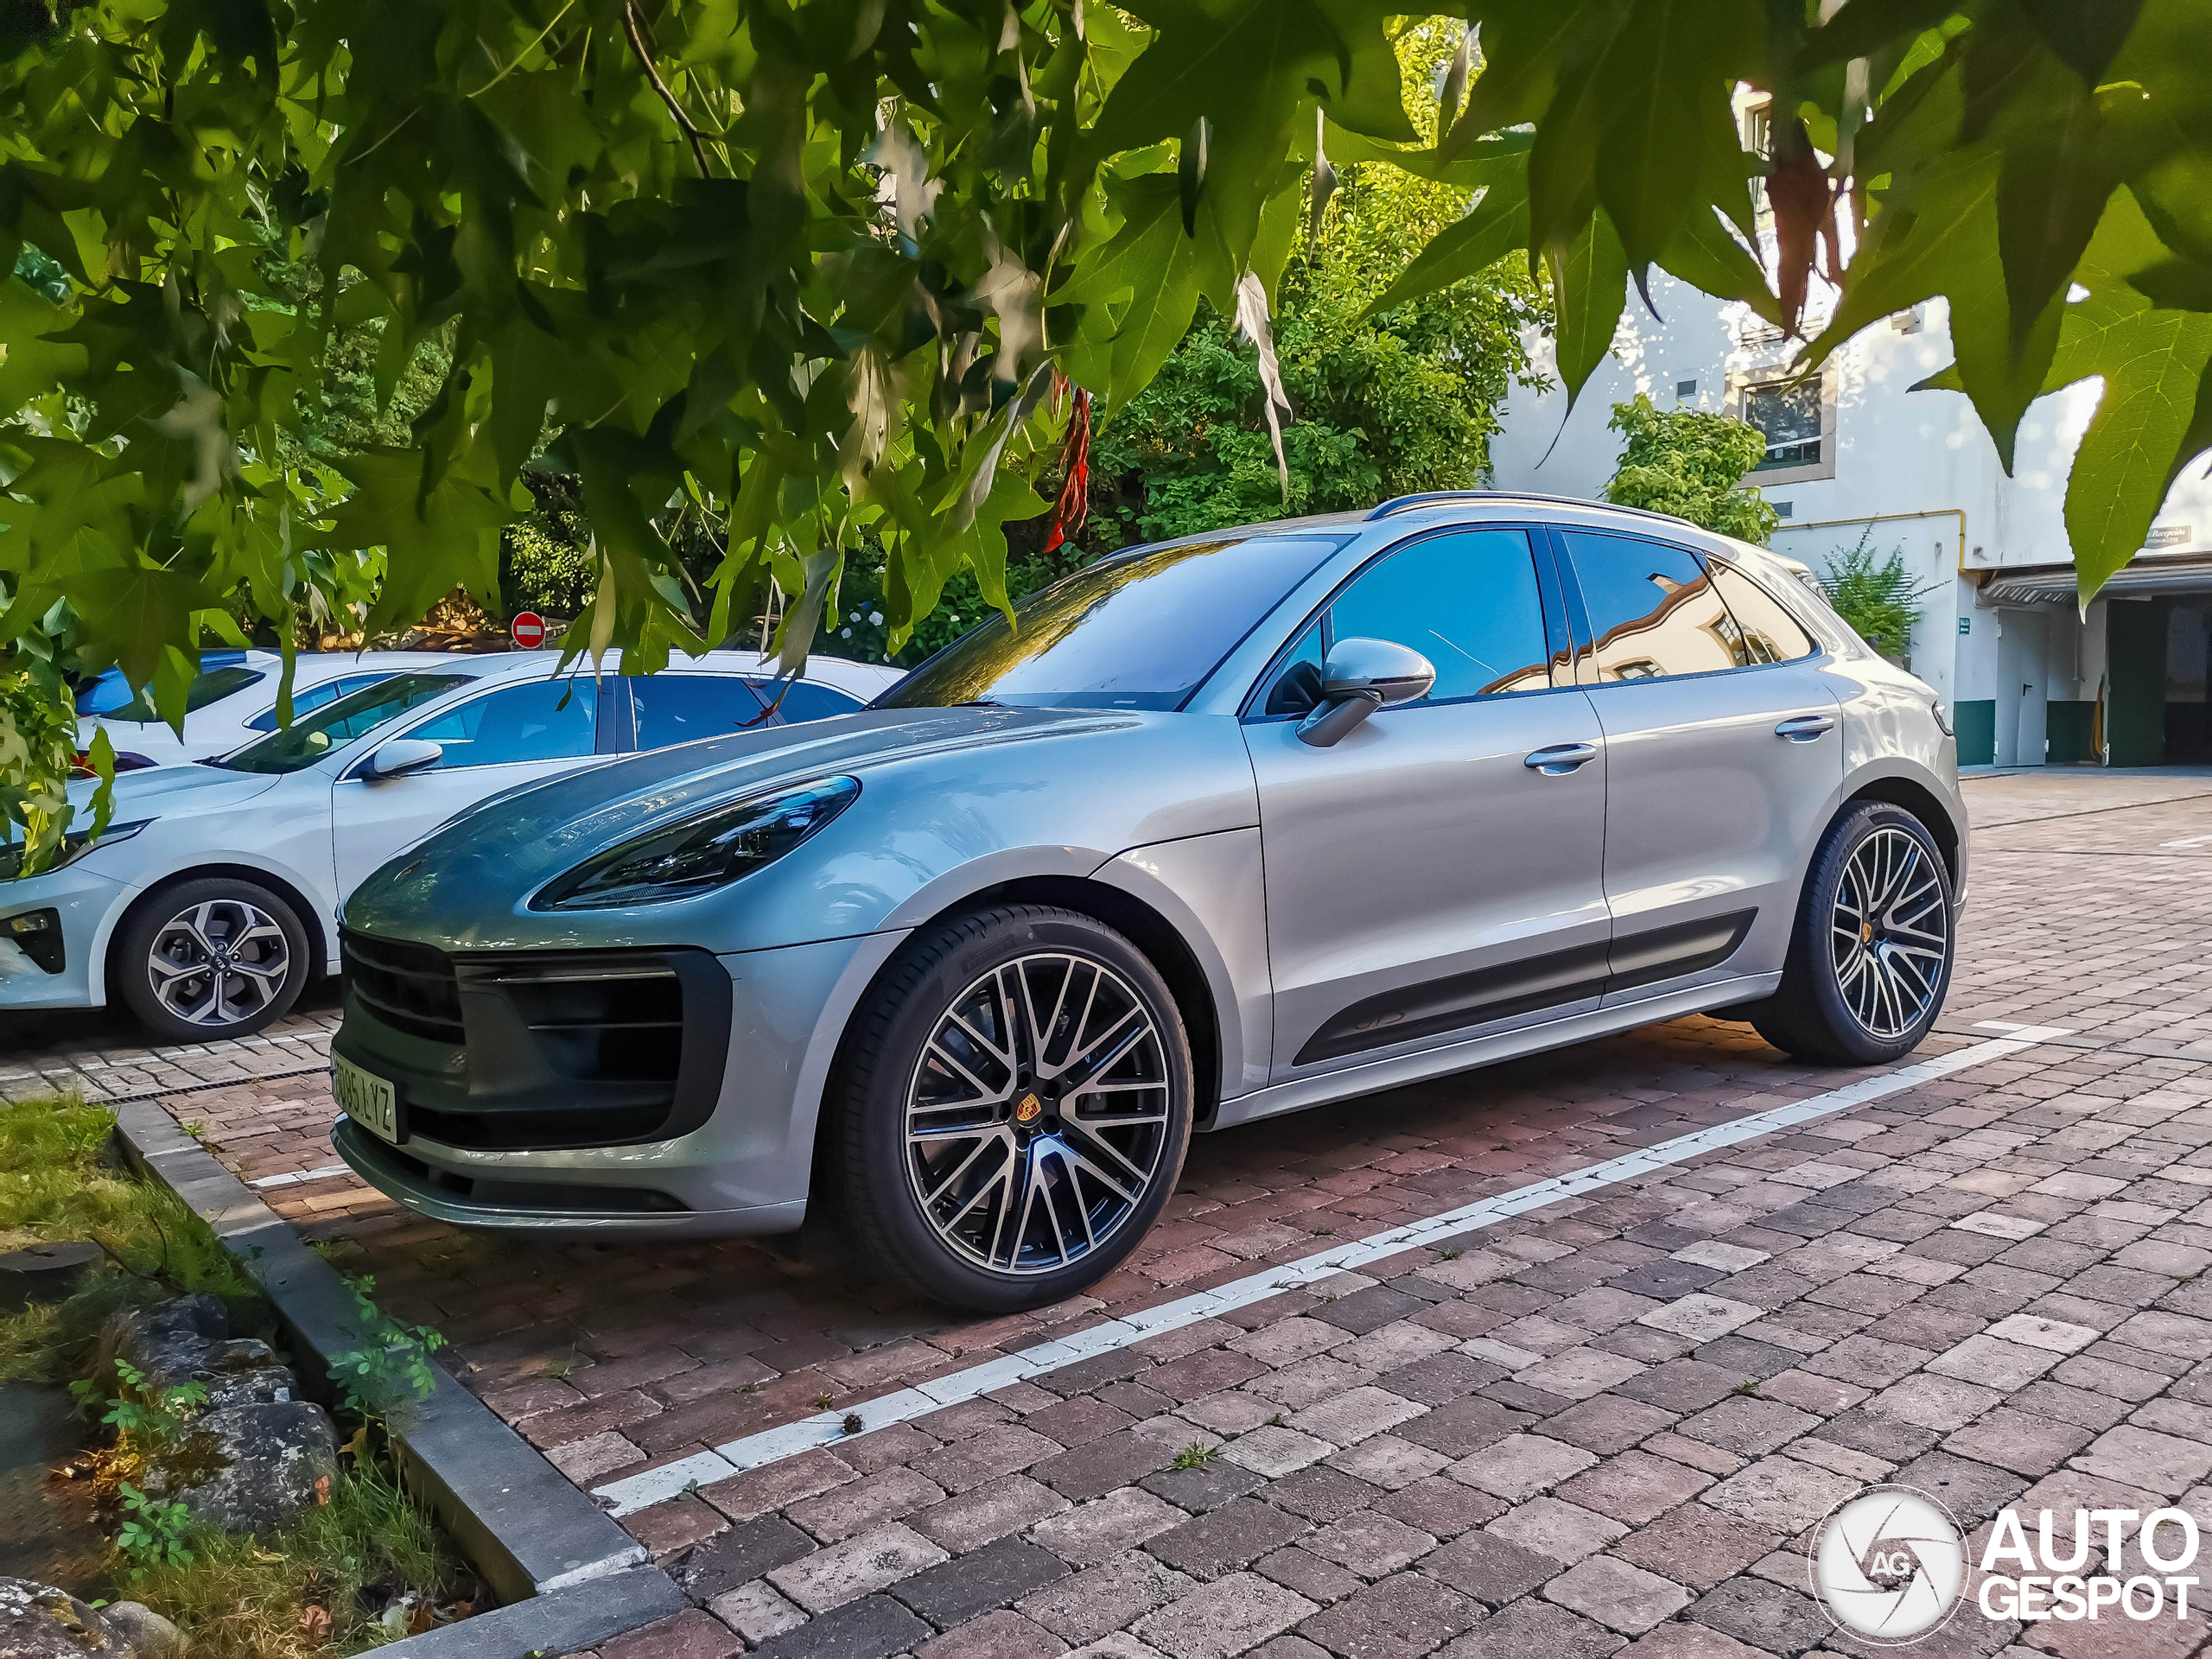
(1917,465)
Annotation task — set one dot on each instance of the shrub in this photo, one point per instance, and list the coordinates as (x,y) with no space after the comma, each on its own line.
(1689,463)
(1875,597)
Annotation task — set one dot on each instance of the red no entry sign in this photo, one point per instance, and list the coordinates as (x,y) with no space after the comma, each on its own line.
(528,630)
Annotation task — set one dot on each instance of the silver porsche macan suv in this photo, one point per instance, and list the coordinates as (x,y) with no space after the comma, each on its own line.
(1216,830)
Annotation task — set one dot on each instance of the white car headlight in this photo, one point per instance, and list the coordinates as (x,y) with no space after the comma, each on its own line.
(700,853)
(74,846)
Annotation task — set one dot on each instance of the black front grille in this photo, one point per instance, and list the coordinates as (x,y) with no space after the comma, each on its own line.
(604,1025)
(539,1051)
(409,987)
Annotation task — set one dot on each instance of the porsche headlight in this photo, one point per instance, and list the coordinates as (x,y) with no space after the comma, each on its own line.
(701,854)
(74,846)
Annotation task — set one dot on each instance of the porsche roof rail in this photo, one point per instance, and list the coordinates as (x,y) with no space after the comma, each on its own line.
(1441,498)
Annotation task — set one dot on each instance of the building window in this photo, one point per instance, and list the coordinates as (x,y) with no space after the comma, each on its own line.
(1789,417)
(1684,389)
(1758,126)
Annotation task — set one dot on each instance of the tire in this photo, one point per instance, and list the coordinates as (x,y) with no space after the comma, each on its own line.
(1864,982)
(1029,1198)
(210,958)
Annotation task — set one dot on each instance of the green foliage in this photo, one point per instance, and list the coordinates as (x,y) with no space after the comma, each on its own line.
(391,1371)
(1392,395)
(142,1415)
(781,284)
(245,1597)
(155,1534)
(1689,463)
(859,625)
(1876,597)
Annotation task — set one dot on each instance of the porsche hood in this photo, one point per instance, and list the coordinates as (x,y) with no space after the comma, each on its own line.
(939,787)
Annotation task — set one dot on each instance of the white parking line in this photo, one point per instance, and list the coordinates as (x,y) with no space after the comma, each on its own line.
(289,1177)
(635,1492)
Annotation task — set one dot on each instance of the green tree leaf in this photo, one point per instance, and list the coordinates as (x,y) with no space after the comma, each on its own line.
(1589,281)
(2147,423)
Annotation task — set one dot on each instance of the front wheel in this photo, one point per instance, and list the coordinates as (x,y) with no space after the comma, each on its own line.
(210,958)
(1870,961)
(1013,1108)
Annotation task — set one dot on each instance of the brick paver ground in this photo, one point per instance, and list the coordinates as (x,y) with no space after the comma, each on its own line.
(1604,1427)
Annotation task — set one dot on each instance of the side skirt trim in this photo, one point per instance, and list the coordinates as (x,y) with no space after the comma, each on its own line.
(1550,980)
(1298,1093)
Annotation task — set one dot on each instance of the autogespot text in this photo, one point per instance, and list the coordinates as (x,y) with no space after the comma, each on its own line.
(2037,1575)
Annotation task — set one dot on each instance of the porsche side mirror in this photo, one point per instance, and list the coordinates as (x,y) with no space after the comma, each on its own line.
(1360,677)
(401,756)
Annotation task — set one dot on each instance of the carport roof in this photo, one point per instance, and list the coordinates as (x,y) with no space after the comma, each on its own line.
(2030,584)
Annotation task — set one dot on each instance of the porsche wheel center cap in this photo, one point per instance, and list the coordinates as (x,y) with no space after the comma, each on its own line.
(1866,932)
(1028,1109)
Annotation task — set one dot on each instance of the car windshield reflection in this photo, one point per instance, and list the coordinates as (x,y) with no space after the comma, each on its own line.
(1139,631)
(338,722)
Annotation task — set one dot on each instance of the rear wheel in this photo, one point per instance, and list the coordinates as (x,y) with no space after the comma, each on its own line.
(1870,961)
(1013,1108)
(210,958)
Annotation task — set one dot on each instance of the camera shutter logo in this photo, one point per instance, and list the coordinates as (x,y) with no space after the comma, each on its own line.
(1888,1565)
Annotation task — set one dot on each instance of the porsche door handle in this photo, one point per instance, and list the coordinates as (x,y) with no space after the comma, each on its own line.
(1559,759)
(1803,729)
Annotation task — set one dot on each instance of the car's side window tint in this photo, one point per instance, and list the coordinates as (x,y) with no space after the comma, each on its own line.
(803,701)
(672,708)
(1295,686)
(314,698)
(546,719)
(1770,633)
(1653,610)
(1466,599)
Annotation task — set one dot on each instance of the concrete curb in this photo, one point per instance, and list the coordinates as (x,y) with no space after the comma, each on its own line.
(560,1621)
(560,1565)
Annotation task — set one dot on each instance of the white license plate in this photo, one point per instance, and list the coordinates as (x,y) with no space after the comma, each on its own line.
(366,1098)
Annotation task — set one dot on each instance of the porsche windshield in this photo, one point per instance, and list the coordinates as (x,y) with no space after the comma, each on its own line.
(1141,630)
(306,741)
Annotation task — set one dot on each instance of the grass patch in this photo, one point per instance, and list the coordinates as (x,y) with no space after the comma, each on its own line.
(58,1180)
(325,1585)
(319,1588)
(1196,1455)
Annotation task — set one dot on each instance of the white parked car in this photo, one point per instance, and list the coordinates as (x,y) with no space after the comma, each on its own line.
(213,898)
(232,701)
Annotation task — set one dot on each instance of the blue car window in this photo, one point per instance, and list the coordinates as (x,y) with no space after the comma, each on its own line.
(546,719)
(673,709)
(314,697)
(1467,600)
(104,693)
(804,700)
(210,687)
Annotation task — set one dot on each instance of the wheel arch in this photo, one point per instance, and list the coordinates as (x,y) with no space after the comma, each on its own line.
(320,937)
(1924,803)
(1144,925)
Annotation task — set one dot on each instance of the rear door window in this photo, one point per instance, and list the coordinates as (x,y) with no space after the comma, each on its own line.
(1654,612)
(671,708)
